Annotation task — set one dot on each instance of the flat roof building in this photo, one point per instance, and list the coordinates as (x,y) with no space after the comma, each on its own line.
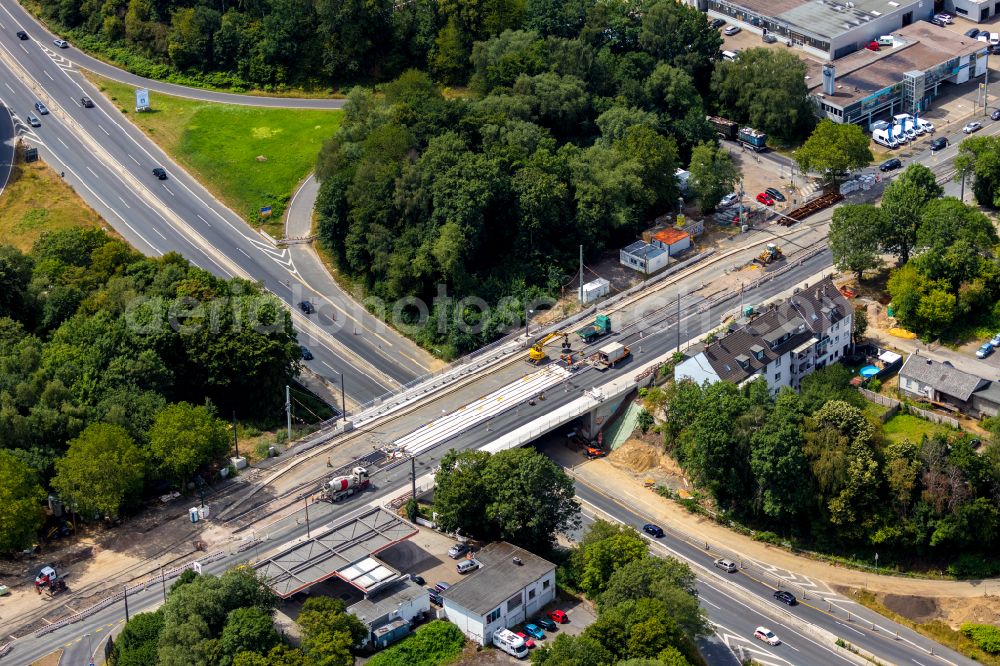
(902,78)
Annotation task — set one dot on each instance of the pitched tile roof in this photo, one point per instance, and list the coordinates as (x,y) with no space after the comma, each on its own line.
(942,377)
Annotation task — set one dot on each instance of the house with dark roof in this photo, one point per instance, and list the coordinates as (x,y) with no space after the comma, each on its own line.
(783,342)
(511,586)
(943,384)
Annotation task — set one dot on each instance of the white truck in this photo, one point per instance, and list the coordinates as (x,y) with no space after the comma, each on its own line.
(340,487)
(511,643)
(608,355)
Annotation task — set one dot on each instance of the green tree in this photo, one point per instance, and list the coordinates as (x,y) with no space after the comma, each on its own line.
(280,655)
(604,549)
(978,157)
(713,175)
(20,503)
(450,53)
(102,470)
(190,38)
(715,448)
(855,237)
(248,630)
(459,500)
(779,465)
(903,203)
(834,149)
(859,324)
(568,650)
(15,276)
(184,437)
(136,644)
(676,34)
(646,577)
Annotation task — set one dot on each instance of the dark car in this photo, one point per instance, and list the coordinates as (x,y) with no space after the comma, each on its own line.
(939,143)
(307,307)
(717,23)
(890,164)
(653,530)
(785,597)
(435,597)
(160,173)
(86,102)
(972,32)
(306,354)
(995,114)
(775,193)
(419,580)
(41,108)
(21,34)
(545,623)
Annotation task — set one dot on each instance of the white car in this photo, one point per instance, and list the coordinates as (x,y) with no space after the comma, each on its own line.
(730,199)
(732,30)
(972,127)
(996,340)
(945,18)
(766,635)
(61,43)
(928,126)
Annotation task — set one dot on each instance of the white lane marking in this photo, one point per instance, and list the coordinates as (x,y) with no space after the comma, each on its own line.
(132,158)
(124,202)
(244,253)
(22,48)
(851,628)
(159,234)
(916,662)
(91,171)
(8,86)
(706,601)
(328,365)
(63,143)
(48,75)
(789,646)
(168,190)
(104,130)
(204,220)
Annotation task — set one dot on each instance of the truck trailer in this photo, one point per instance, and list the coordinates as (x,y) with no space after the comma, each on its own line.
(753,139)
(608,355)
(600,326)
(724,128)
(340,487)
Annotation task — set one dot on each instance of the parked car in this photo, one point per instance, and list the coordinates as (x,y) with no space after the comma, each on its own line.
(458,550)
(435,597)
(995,114)
(972,32)
(307,307)
(33,120)
(533,631)
(545,623)
(785,597)
(890,164)
(558,616)
(717,23)
(441,587)
(729,200)
(419,580)
(21,34)
(652,530)
(944,18)
(732,30)
(764,199)
(938,22)
(766,635)
(972,127)
(61,43)
(985,350)
(939,143)
(996,340)
(41,108)
(160,173)
(768,38)
(306,354)
(86,102)
(467,566)
(726,565)
(775,193)
(873,46)
(529,642)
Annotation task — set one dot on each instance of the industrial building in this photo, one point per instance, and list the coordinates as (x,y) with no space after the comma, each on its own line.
(827,28)
(643,257)
(783,343)
(511,586)
(902,78)
(674,241)
(974,10)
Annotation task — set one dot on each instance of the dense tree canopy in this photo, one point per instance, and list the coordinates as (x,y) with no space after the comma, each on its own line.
(834,149)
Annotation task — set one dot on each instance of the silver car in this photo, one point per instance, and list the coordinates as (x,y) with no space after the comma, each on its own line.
(33,120)
(458,550)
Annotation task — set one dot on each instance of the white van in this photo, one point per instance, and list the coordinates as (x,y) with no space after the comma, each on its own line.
(511,643)
(465,566)
(995,39)
(885,40)
(883,138)
(731,56)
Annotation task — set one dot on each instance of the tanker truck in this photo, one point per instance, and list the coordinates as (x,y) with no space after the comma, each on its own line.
(340,487)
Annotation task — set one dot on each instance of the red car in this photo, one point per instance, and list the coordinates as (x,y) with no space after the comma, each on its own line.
(529,642)
(558,617)
(873,46)
(764,199)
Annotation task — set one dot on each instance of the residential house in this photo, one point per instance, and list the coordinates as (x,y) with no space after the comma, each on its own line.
(942,384)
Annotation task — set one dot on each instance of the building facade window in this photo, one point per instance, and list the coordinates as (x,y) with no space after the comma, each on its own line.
(531,595)
(493,616)
(514,602)
(545,584)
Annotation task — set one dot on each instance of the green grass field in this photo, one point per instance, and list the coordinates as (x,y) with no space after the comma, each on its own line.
(907,427)
(249,157)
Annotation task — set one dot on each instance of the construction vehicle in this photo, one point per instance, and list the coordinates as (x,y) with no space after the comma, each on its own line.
(340,487)
(752,138)
(724,128)
(593,452)
(537,352)
(600,326)
(608,355)
(770,255)
(48,579)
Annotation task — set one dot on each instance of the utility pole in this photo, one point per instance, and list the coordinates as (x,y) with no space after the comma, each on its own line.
(236,440)
(678,321)
(288,410)
(581,273)
(986,84)
(125,587)
(308,534)
(343,400)
(413,477)
(163,582)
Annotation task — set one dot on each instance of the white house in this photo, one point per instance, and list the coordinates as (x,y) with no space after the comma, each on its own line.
(783,343)
(940,382)
(511,586)
(643,257)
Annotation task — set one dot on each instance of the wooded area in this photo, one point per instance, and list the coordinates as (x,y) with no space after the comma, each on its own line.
(112,367)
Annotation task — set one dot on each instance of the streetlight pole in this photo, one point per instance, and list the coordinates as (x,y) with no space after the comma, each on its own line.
(125,587)
(163,582)
(306,501)
(90,648)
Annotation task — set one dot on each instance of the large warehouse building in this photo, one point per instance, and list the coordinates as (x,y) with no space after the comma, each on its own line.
(902,78)
(827,28)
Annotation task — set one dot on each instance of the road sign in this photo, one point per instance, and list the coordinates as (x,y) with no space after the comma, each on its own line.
(141,99)
(265,211)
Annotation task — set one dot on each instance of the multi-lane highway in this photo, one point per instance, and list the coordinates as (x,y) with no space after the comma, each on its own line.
(109,162)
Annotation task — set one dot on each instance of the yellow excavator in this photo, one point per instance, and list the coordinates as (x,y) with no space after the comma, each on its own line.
(537,352)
